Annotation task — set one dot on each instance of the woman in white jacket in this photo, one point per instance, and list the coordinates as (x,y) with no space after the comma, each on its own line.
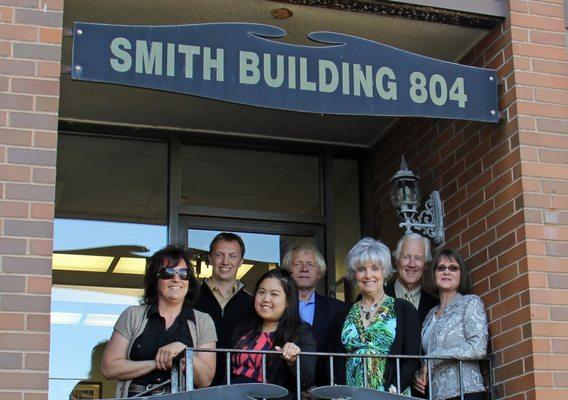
(456,328)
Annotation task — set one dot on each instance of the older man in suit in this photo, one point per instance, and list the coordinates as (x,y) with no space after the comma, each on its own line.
(325,314)
(411,256)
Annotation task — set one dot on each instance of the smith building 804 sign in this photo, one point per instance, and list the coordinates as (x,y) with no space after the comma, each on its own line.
(243,63)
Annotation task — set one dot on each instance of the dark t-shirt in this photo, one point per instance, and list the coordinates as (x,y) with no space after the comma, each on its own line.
(155,335)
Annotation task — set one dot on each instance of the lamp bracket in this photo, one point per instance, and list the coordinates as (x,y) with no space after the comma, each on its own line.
(430,220)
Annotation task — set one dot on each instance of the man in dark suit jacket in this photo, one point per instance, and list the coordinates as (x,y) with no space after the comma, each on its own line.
(411,257)
(324,314)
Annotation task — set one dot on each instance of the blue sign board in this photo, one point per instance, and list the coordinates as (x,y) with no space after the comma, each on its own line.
(243,63)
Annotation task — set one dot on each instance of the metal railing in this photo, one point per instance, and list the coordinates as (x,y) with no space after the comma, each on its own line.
(182,378)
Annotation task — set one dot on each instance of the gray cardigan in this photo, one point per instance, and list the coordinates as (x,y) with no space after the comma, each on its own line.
(460,332)
(132,323)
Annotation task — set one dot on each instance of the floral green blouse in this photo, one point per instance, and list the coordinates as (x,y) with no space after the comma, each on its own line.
(377,339)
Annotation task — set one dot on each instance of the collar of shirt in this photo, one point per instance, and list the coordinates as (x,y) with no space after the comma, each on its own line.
(236,286)
(308,308)
(312,299)
(401,293)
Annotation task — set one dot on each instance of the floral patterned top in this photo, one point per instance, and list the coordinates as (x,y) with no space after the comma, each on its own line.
(377,339)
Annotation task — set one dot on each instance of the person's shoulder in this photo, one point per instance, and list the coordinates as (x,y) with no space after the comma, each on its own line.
(135,311)
(472,299)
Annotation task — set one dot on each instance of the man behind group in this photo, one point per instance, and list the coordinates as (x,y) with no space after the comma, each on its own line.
(325,314)
(411,256)
(222,296)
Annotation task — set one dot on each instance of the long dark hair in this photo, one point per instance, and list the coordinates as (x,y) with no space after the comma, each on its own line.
(169,256)
(288,324)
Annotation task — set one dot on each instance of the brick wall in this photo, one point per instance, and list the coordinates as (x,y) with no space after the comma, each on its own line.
(30,37)
(505,193)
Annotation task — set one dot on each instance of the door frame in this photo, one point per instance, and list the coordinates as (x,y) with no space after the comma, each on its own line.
(223,224)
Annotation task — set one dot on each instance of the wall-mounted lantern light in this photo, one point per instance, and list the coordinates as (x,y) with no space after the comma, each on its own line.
(406,196)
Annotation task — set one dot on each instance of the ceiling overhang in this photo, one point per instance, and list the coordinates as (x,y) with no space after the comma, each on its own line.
(452,36)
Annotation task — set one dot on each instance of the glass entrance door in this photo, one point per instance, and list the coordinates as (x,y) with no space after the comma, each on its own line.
(265,243)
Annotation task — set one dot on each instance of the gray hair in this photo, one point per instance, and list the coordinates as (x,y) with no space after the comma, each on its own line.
(413,236)
(369,249)
(308,248)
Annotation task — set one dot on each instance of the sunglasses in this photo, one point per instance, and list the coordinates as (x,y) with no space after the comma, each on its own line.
(169,273)
(451,268)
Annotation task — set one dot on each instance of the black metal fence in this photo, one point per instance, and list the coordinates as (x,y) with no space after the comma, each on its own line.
(182,378)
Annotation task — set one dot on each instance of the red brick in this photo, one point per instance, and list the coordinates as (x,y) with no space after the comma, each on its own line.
(6,14)
(551,125)
(542,110)
(38,284)
(18,32)
(40,247)
(24,341)
(551,96)
(549,10)
(23,380)
(550,67)
(538,51)
(11,321)
(16,67)
(42,211)
(13,209)
(49,69)
(49,104)
(550,296)
(45,139)
(37,361)
(18,137)
(38,322)
(15,173)
(16,102)
(548,38)
(50,35)
(35,86)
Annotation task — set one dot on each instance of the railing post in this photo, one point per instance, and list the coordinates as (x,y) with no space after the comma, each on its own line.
(429,378)
(263,368)
(398,375)
(298,378)
(365,372)
(228,365)
(174,376)
(188,369)
(491,391)
(331,371)
(461,379)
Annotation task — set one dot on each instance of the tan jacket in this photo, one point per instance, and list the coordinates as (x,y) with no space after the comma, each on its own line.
(132,323)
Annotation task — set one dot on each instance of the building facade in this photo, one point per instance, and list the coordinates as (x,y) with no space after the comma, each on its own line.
(504,187)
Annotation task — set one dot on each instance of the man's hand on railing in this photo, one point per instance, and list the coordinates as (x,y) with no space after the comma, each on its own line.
(421,379)
(166,354)
(289,352)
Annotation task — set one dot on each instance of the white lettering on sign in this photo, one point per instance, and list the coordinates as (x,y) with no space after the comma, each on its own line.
(282,71)
(123,60)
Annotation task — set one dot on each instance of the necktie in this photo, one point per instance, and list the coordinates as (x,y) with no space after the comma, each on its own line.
(409,297)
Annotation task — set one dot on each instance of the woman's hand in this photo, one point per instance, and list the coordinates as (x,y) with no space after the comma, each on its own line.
(289,352)
(421,379)
(166,354)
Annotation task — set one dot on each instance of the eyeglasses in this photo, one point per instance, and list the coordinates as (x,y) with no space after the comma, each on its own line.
(169,273)
(451,268)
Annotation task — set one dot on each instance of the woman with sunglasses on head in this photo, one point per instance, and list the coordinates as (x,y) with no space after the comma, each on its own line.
(146,338)
(275,324)
(455,328)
